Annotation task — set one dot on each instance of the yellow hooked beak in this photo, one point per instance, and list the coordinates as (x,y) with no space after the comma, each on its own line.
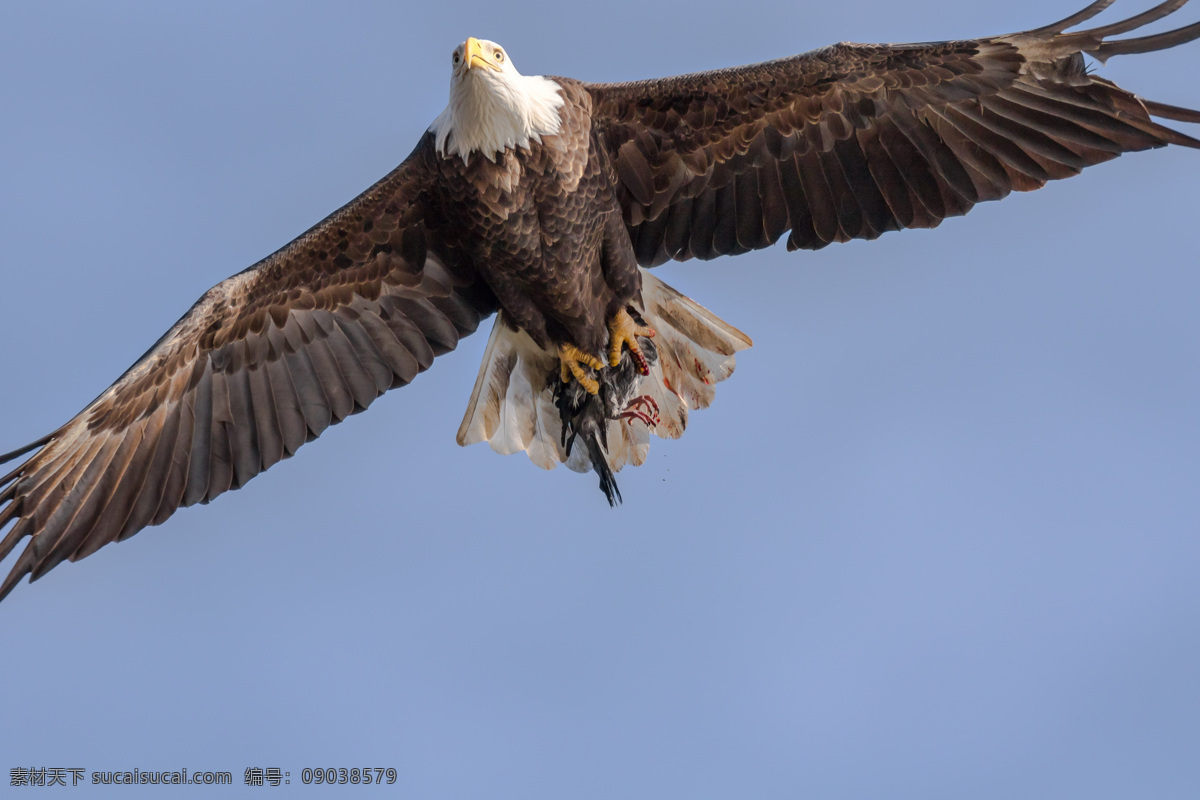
(473,55)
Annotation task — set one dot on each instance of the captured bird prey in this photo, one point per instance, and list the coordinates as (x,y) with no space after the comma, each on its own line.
(545,200)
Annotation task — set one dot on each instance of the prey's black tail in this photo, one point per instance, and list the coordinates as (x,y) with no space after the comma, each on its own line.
(595,438)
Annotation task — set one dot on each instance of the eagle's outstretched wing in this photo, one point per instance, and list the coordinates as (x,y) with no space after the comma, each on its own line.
(262,363)
(853,140)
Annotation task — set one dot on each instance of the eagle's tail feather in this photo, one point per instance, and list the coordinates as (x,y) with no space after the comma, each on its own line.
(514,406)
(510,406)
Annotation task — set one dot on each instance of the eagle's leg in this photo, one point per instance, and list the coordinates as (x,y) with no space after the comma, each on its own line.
(622,330)
(572,362)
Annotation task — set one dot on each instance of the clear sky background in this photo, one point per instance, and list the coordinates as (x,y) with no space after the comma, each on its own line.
(938,537)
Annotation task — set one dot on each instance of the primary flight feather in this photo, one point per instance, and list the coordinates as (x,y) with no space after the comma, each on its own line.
(545,199)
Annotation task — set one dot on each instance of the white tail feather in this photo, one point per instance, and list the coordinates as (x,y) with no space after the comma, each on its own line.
(512,406)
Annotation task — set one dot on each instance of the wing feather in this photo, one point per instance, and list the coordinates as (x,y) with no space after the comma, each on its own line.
(852,141)
(201,446)
(220,464)
(125,478)
(316,404)
(150,494)
(242,427)
(266,416)
(286,403)
(264,362)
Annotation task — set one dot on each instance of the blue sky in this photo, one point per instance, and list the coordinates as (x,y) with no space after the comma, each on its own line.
(937,537)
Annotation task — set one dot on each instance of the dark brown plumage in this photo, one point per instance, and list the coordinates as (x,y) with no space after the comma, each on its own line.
(852,141)
(553,243)
(846,142)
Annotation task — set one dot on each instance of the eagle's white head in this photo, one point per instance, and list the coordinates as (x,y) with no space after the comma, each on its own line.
(492,106)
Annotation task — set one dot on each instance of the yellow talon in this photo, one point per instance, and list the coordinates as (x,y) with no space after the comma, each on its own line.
(572,361)
(622,330)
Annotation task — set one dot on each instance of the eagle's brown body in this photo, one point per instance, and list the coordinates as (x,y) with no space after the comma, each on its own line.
(547,217)
(544,228)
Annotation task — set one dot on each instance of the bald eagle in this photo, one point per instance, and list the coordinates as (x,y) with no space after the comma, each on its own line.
(544,201)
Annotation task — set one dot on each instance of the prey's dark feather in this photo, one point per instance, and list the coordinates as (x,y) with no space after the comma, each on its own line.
(585,417)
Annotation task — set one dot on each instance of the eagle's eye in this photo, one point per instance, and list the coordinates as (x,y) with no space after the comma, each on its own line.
(499,55)
(456,57)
